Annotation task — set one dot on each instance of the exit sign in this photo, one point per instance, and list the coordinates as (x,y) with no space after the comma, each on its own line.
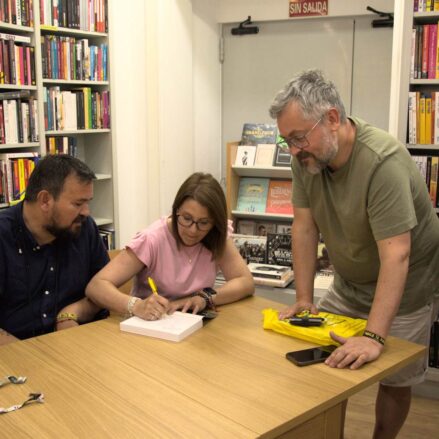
(305,8)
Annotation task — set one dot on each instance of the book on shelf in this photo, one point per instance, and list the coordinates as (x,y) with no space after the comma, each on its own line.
(245,227)
(256,133)
(282,157)
(283,228)
(265,155)
(15,171)
(17,12)
(245,155)
(263,228)
(428,167)
(252,194)
(279,250)
(324,269)
(271,275)
(279,197)
(433,352)
(172,327)
(269,271)
(323,279)
(251,248)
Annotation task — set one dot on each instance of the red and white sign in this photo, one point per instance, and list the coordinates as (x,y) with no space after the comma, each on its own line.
(305,8)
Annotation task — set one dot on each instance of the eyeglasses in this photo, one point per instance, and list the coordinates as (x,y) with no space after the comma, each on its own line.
(186,221)
(298,142)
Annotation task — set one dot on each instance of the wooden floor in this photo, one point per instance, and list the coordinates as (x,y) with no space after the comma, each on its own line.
(422,421)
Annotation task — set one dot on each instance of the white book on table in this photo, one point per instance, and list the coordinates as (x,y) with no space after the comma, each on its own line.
(173,327)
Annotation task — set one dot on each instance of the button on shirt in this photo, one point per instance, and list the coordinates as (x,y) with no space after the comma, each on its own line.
(36,282)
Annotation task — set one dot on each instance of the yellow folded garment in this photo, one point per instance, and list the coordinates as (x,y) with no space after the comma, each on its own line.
(341,325)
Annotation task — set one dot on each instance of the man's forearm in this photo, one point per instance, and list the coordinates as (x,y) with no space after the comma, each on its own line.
(85,309)
(6,338)
(388,294)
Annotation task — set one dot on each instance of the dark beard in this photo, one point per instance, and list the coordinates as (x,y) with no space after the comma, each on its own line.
(66,233)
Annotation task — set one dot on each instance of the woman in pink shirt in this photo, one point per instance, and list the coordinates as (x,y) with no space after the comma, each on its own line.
(182,253)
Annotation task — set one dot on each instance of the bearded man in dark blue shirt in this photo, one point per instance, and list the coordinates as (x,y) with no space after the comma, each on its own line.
(49,249)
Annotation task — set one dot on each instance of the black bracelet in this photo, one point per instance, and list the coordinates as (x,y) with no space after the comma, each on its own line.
(373,336)
(203,296)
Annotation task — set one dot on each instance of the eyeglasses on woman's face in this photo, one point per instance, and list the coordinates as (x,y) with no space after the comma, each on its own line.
(203,224)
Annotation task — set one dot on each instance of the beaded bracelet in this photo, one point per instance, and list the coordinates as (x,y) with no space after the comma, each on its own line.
(373,336)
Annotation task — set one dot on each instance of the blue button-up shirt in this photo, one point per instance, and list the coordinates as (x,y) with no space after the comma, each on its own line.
(36,282)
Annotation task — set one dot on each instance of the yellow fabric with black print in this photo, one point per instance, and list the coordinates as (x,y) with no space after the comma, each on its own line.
(341,325)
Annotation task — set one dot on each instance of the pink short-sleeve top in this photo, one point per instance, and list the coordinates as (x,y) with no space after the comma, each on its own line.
(176,272)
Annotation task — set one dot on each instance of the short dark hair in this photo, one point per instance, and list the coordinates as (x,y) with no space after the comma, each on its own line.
(51,172)
(314,93)
(206,190)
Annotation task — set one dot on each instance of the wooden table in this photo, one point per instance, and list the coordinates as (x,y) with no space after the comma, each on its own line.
(228,380)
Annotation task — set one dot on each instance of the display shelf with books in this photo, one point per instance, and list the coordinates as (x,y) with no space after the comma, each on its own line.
(236,175)
(423,97)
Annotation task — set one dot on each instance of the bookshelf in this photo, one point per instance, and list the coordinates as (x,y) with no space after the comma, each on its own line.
(416,76)
(404,81)
(59,42)
(233,175)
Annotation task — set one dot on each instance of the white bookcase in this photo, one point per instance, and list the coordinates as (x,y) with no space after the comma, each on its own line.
(94,146)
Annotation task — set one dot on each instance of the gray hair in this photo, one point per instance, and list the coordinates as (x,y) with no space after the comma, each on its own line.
(313,92)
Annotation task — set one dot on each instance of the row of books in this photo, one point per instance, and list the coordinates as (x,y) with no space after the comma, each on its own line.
(18,12)
(424,61)
(88,15)
(15,169)
(429,168)
(425,5)
(72,59)
(264,195)
(433,357)
(75,109)
(262,155)
(108,237)
(261,228)
(62,145)
(274,248)
(18,118)
(17,60)
(423,118)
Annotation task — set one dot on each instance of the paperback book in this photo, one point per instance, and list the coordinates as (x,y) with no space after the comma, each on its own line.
(256,133)
(251,248)
(279,197)
(172,327)
(252,194)
(279,250)
(245,155)
(271,275)
(265,154)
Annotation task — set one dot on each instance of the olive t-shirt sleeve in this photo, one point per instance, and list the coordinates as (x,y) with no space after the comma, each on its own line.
(390,202)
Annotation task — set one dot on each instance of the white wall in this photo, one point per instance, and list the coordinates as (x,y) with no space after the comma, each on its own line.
(128,98)
(206,87)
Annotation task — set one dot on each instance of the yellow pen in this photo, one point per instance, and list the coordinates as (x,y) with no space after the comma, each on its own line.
(152,285)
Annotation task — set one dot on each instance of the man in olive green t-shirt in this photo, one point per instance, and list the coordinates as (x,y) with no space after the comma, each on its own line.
(359,188)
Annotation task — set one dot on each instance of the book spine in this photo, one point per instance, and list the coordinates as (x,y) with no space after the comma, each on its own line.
(432,47)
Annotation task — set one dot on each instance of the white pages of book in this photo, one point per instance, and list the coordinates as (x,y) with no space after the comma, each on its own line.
(173,327)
